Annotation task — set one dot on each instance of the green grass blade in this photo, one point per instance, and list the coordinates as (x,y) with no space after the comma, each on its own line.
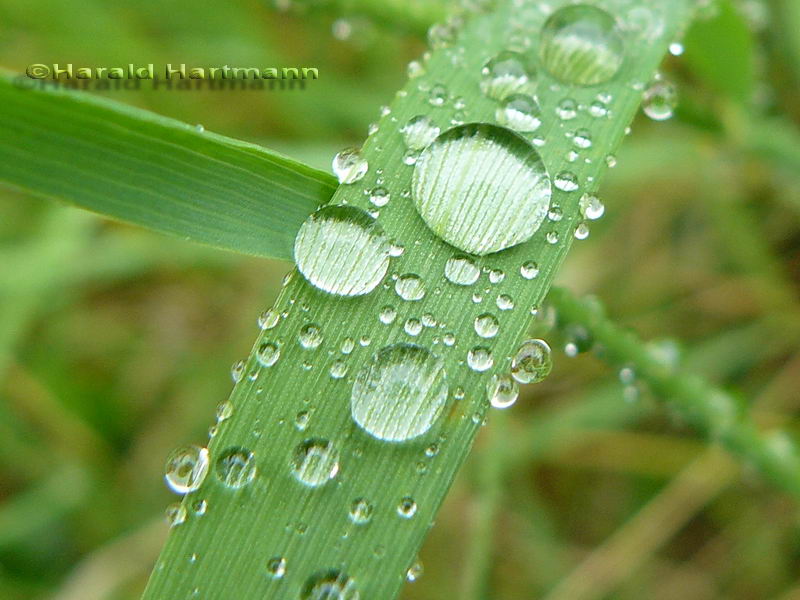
(137,167)
(224,553)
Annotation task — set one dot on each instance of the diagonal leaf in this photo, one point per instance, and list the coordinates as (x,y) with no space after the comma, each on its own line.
(276,535)
(141,168)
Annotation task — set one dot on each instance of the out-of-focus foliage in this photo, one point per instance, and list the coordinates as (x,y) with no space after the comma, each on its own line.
(115,343)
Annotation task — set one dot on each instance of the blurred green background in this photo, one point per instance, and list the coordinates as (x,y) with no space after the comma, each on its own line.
(116,343)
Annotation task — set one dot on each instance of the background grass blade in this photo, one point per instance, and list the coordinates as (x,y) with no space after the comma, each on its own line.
(275,516)
(137,167)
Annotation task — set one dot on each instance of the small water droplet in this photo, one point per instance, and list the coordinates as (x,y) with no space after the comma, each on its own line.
(566,181)
(461,270)
(237,371)
(591,207)
(502,391)
(480,359)
(387,315)
(504,74)
(301,420)
(529,270)
(581,44)
(338,369)
(415,571)
(175,514)
(379,196)
(413,327)
(331,584)
(486,325)
(532,361)
(505,302)
(660,99)
(342,250)
(268,354)
(350,166)
(400,393)
(581,231)
(582,139)
(224,411)
(410,287)
(315,462)
(310,336)
(268,319)
(276,567)
(520,112)
(361,511)
(236,467)
(438,95)
(407,507)
(567,109)
(186,468)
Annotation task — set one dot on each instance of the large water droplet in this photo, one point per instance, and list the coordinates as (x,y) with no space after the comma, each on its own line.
(349,165)
(581,44)
(400,393)
(461,270)
(332,584)
(342,250)
(532,362)
(236,467)
(481,188)
(504,74)
(186,468)
(315,462)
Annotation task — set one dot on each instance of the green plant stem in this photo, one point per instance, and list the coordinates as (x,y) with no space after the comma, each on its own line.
(712,411)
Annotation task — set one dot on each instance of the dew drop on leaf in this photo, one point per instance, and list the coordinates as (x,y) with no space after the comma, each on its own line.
(350,166)
(532,361)
(186,468)
(400,393)
(342,250)
(315,462)
(486,209)
(504,74)
(331,584)
(520,112)
(236,467)
(581,44)
(502,391)
(461,270)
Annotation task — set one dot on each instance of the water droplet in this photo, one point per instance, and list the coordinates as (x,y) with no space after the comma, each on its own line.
(505,302)
(332,584)
(496,276)
(236,467)
(676,48)
(504,74)
(410,287)
(310,336)
(448,339)
(598,110)
(420,132)
(520,112)
(175,514)
(582,139)
(502,391)
(407,507)
(237,371)
(315,462)
(415,571)
(566,181)
(387,315)
(200,507)
(461,270)
(480,359)
(438,95)
(379,196)
(484,209)
(186,468)
(342,250)
(268,354)
(415,69)
(591,207)
(361,511)
(529,270)
(413,327)
(276,567)
(350,166)
(532,362)
(301,420)
(400,393)
(567,109)
(441,35)
(581,231)
(581,44)
(660,99)
(486,325)
(224,411)
(338,369)
(268,319)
